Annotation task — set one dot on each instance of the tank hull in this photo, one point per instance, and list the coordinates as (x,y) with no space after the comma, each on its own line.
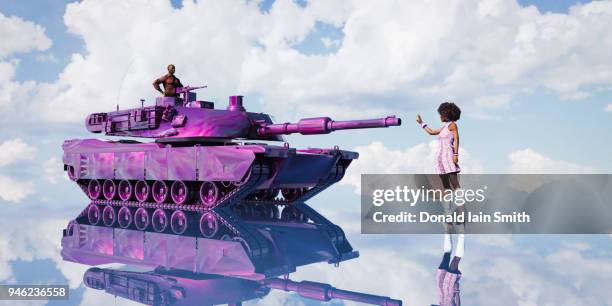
(89,159)
(251,195)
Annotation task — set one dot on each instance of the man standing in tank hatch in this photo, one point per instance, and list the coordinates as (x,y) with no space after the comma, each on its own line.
(170,82)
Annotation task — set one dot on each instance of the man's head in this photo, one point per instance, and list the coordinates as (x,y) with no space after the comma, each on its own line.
(171,69)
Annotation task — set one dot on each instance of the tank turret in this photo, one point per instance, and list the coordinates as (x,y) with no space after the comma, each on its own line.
(190,119)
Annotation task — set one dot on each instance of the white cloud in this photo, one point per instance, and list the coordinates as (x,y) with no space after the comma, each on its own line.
(5,268)
(589,275)
(501,241)
(576,95)
(93,297)
(608,108)
(379,271)
(13,190)
(29,239)
(523,284)
(36,239)
(577,245)
(15,150)
(329,43)
(24,302)
(49,57)
(53,170)
(500,273)
(376,158)
(416,51)
(120,68)
(535,275)
(277,298)
(580,264)
(13,95)
(19,35)
(493,102)
(528,161)
(390,53)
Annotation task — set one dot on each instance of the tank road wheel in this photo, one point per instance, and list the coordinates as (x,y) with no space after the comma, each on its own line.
(178,222)
(71,173)
(125,217)
(226,184)
(94,189)
(263,211)
(159,220)
(160,191)
(243,210)
(141,218)
(272,194)
(109,215)
(260,194)
(267,211)
(290,213)
(290,194)
(209,193)
(142,191)
(126,190)
(209,226)
(180,192)
(109,189)
(275,212)
(93,214)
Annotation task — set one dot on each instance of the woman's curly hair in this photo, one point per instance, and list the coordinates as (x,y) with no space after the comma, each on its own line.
(449,111)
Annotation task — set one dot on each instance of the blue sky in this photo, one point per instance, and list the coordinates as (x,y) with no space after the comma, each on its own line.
(560,136)
(542,124)
(49,13)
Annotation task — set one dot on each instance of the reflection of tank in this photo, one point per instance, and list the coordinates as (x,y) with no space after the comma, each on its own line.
(290,245)
(189,268)
(162,287)
(196,180)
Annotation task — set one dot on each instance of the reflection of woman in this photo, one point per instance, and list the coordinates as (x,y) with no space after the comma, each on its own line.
(447,166)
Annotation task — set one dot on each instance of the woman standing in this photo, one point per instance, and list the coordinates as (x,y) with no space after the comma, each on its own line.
(447,166)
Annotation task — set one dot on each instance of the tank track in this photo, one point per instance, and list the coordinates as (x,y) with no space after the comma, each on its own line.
(255,243)
(259,173)
(172,207)
(334,232)
(335,176)
(227,230)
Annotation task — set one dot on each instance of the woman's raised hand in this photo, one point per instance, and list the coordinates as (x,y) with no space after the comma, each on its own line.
(418,119)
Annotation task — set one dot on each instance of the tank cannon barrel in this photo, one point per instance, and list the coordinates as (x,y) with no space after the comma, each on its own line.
(325,292)
(325,125)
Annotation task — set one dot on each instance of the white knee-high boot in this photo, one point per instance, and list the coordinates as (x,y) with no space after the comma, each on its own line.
(460,247)
(448,243)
